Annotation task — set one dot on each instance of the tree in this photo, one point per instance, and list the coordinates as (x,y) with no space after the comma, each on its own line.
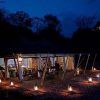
(20,18)
(84,22)
(2,14)
(86,40)
(38,24)
(52,22)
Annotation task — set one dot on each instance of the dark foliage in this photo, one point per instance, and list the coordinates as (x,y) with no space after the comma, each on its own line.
(17,37)
(86,40)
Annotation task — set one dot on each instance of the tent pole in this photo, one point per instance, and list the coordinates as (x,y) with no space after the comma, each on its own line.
(86,63)
(81,61)
(19,69)
(77,63)
(39,66)
(15,62)
(94,61)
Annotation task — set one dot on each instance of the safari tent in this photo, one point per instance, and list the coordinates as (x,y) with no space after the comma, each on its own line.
(37,61)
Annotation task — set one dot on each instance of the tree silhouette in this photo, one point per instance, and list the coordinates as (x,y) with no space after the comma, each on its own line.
(2,14)
(84,22)
(52,22)
(17,35)
(38,24)
(20,18)
(86,40)
(97,26)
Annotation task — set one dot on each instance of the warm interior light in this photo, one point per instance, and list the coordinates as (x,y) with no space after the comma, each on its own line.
(99,27)
(50,70)
(22,66)
(11,84)
(20,59)
(0,81)
(90,79)
(35,88)
(70,88)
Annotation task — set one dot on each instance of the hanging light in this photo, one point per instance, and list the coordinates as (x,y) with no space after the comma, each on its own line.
(0,81)
(11,84)
(70,88)
(90,80)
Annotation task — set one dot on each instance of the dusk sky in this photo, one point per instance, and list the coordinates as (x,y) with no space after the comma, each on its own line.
(66,10)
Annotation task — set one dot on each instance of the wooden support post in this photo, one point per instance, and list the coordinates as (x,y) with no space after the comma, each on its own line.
(15,63)
(19,69)
(39,67)
(86,63)
(64,61)
(6,68)
(53,61)
(44,73)
(94,61)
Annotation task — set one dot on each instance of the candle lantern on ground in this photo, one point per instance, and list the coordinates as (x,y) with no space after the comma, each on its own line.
(70,88)
(94,69)
(90,80)
(11,84)
(35,87)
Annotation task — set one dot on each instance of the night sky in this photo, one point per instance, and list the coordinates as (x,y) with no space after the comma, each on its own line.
(66,10)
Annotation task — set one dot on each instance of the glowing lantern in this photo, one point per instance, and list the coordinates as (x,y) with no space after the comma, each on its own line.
(11,84)
(98,75)
(99,27)
(50,70)
(35,88)
(94,69)
(70,88)
(0,81)
(78,71)
(90,79)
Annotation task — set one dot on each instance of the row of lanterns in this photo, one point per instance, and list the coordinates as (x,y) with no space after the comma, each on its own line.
(36,87)
(78,70)
(12,84)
